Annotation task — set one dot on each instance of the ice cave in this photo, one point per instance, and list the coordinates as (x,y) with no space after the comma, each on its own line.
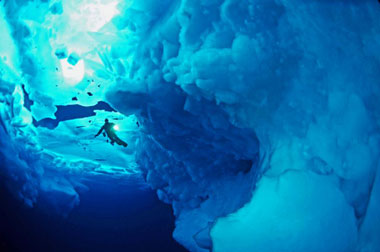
(255,121)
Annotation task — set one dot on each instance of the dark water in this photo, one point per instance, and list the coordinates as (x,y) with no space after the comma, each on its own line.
(70,112)
(114,215)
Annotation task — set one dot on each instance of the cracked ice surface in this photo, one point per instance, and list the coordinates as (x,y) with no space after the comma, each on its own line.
(259,118)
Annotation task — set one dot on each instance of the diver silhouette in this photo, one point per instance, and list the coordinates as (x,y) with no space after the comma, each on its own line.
(110,131)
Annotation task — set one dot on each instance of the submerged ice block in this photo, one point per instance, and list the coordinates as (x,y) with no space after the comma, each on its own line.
(61,53)
(73,59)
(298,211)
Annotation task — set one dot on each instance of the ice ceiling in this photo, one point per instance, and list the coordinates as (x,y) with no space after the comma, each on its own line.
(258,120)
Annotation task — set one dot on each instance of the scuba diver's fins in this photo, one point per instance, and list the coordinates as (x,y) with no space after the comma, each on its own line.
(121,142)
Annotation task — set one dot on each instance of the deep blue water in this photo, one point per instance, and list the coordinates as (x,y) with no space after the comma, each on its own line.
(114,215)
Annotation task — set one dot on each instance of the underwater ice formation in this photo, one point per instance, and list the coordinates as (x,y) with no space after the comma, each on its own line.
(259,119)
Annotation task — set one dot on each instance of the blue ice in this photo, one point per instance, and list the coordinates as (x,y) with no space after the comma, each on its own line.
(257,120)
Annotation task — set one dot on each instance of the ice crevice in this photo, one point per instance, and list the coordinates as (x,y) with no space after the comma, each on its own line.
(257,120)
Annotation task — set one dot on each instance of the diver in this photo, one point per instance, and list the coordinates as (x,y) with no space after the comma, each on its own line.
(109,129)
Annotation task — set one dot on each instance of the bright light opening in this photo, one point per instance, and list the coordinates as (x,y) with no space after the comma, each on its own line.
(96,14)
(72,74)
(116,127)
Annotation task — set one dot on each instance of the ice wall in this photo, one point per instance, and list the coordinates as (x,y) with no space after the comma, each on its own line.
(326,124)
(259,118)
(303,76)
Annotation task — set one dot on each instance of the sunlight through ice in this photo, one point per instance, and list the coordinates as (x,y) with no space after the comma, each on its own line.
(96,14)
(73,74)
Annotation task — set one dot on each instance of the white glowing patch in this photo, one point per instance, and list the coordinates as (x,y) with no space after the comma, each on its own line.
(116,127)
(72,74)
(26,116)
(22,116)
(96,14)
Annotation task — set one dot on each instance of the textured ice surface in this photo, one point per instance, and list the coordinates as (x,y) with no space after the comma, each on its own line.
(258,120)
(298,211)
